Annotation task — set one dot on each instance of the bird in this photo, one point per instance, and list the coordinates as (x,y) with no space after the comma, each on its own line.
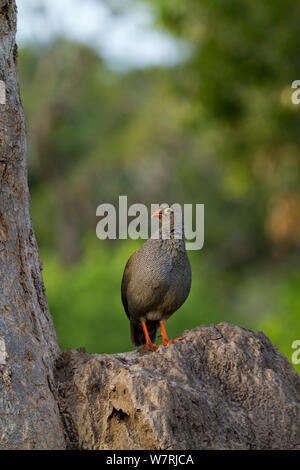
(157,281)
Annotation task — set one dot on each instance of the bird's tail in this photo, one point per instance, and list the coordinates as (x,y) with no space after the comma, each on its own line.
(137,333)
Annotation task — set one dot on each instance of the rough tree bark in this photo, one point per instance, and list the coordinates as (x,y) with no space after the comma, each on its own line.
(29,416)
(222,387)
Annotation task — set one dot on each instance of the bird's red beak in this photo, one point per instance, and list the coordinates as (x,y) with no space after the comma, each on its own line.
(157,213)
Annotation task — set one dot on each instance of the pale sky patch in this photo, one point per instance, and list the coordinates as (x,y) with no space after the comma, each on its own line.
(124,41)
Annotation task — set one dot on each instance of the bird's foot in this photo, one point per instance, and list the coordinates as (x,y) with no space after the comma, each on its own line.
(165,342)
(148,347)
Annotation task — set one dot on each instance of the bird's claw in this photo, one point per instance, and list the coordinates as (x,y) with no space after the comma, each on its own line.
(165,342)
(148,347)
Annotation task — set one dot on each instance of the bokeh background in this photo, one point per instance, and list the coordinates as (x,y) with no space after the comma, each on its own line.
(165,101)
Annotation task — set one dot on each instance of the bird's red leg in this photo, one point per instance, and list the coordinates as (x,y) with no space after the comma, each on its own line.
(149,346)
(166,340)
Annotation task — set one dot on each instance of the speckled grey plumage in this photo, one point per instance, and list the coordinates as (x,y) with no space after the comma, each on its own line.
(156,280)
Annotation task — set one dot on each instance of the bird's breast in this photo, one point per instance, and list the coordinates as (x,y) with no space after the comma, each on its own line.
(159,283)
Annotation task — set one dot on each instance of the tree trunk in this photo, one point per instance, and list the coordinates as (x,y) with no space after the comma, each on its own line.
(29,415)
(222,387)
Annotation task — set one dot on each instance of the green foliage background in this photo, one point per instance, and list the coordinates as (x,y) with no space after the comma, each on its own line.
(219,129)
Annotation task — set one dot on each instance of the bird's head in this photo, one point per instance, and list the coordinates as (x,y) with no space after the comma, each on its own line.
(171,220)
(166,213)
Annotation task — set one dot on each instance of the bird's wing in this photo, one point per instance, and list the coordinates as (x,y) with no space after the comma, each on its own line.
(125,282)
